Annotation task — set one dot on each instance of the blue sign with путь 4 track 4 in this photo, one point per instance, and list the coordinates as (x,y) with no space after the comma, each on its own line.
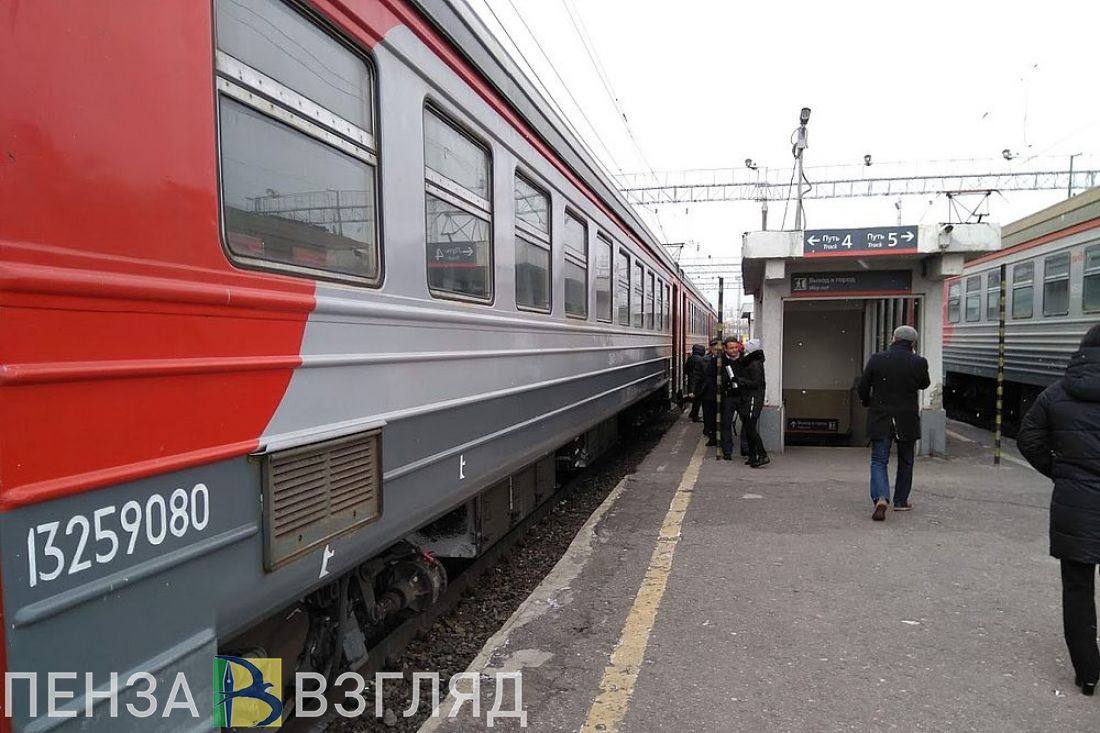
(859,241)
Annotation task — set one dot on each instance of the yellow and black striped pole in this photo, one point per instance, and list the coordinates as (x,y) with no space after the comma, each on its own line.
(1000,373)
(718,359)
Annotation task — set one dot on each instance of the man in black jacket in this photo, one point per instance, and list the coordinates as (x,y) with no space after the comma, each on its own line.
(1060,437)
(706,388)
(691,365)
(889,387)
(731,393)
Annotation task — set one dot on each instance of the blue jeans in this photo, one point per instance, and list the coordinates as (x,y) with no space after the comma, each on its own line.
(880,480)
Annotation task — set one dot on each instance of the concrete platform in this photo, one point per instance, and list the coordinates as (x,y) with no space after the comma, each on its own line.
(767,600)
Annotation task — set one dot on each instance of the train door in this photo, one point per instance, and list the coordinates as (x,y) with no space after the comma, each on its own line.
(678,340)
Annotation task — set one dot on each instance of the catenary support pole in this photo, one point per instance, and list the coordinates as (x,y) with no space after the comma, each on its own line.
(1000,372)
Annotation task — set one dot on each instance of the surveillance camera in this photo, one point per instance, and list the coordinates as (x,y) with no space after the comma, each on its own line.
(948,228)
(1007,154)
(750,164)
(866,160)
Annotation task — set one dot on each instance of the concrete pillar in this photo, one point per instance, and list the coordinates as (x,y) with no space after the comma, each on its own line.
(770,322)
(930,346)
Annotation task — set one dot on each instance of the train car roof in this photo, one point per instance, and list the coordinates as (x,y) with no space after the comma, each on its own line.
(1078,213)
(1075,210)
(460,25)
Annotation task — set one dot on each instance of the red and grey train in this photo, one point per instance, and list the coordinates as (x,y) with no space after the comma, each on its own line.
(282,283)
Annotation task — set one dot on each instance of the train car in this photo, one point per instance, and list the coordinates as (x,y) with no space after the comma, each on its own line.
(1052,296)
(282,284)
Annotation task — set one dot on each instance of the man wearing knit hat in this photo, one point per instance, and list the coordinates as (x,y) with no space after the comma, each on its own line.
(888,388)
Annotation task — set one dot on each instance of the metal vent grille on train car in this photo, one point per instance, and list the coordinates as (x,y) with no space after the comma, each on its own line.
(320,491)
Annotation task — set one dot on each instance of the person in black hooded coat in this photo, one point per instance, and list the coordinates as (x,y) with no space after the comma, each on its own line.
(749,370)
(1060,437)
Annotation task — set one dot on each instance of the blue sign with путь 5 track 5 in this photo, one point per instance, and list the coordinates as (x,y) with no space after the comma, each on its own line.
(859,241)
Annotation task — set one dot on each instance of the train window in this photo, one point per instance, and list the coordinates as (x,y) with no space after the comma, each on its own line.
(622,277)
(636,287)
(458,210)
(1023,277)
(668,307)
(532,246)
(576,267)
(953,302)
(973,299)
(662,305)
(272,38)
(298,163)
(1056,285)
(603,279)
(993,295)
(1090,290)
(650,300)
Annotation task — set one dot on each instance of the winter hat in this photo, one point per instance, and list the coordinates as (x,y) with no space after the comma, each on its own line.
(905,333)
(753,345)
(1092,338)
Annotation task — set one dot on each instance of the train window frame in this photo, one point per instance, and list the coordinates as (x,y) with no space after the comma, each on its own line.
(973,291)
(528,235)
(576,259)
(954,301)
(637,290)
(1057,280)
(1019,284)
(993,295)
(241,85)
(622,265)
(650,300)
(668,306)
(466,201)
(1090,275)
(604,241)
(661,306)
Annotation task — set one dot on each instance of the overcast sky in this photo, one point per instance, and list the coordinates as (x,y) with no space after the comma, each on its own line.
(708,83)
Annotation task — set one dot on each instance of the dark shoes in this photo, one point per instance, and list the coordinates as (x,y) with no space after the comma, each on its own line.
(905,507)
(1087,688)
(697,419)
(727,457)
(879,514)
(759,462)
(711,443)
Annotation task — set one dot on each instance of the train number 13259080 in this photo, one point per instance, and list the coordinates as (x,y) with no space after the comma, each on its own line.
(60,547)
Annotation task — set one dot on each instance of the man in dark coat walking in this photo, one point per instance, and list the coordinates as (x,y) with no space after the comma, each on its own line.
(888,388)
(693,364)
(1060,437)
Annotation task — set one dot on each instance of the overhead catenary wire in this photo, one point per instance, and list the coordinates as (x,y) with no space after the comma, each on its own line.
(593,57)
(550,96)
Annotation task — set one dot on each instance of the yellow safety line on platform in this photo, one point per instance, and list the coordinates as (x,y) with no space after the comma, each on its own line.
(617,687)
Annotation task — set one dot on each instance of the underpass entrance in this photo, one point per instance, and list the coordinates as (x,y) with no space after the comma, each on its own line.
(826,342)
